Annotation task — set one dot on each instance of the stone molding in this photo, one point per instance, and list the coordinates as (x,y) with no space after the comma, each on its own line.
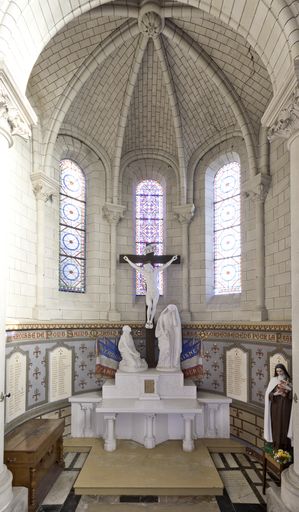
(258,187)
(184,213)
(16,114)
(287,121)
(44,188)
(113,212)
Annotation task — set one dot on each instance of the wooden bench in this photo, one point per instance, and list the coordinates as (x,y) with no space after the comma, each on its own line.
(33,452)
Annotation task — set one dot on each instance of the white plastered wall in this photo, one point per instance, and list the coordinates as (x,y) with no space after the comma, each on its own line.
(21,221)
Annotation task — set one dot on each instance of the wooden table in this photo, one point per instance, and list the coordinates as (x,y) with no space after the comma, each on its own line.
(33,452)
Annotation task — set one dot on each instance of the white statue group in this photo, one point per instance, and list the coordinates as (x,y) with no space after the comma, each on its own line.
(168,328)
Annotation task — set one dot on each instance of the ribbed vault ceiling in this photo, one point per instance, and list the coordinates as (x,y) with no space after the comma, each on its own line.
(202,110)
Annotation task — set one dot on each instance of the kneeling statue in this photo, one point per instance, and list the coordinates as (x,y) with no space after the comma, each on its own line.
(131,360)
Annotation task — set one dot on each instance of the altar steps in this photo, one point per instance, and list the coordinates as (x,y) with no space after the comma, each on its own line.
(166,470)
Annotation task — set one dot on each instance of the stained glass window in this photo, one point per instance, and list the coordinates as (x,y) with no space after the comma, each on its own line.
(227,233)
(149,225)
(72,228)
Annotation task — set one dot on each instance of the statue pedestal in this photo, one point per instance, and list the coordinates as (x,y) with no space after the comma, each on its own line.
(149,385)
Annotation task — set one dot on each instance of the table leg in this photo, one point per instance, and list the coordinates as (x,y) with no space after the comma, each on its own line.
(264,473)
(188,443)
(110,441)
(32,489)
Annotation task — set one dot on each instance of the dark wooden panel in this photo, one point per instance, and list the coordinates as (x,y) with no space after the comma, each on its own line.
(33,452)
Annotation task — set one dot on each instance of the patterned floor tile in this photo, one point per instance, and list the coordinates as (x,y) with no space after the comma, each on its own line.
(61,488)
(254,476)
(237,487)
(79,461)
(68,459)
(217,460)
(232,463)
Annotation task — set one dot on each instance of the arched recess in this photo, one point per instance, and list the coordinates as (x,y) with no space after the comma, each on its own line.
(147,167)
(142,155)
(82,138)
(256,21)
(93,303)
(200,153)
(201,234)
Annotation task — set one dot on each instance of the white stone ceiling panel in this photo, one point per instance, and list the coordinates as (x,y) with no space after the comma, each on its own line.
(240,63)
(150,119)
(63,56)
(204,112)
(97,107)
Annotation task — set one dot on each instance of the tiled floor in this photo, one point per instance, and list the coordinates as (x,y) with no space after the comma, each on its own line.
(241,475)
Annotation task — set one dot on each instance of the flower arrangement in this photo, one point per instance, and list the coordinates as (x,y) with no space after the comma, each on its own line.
(282,457)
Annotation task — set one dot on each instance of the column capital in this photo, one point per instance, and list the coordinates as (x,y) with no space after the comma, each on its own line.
(287,120)
(113,212)
(44,188)
(258,187)
(16,113)
(184,212)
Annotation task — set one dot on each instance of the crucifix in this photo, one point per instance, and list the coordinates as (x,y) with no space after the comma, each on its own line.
(150,273)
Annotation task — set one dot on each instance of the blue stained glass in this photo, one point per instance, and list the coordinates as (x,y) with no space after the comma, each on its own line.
(227,231)
(72,261)
(149,225)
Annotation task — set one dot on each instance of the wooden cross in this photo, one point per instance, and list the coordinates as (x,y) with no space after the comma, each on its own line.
(149,333)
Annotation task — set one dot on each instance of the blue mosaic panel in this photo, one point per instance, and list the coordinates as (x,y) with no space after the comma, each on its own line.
(227,231)
(72,260)
(149,225)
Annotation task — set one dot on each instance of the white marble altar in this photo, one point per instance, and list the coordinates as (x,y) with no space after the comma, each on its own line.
(149,407)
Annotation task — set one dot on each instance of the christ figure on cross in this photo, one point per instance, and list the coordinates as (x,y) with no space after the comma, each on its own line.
(150,274)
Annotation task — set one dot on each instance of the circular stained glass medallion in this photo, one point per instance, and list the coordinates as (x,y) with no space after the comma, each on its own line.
(71,241)
(71,271)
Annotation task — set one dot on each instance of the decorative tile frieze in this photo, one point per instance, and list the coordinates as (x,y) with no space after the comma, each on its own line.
(260,340)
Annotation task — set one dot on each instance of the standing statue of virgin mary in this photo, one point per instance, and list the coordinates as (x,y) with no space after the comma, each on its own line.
(169,334)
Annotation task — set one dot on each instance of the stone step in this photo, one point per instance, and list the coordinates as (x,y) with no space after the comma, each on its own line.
(204,505)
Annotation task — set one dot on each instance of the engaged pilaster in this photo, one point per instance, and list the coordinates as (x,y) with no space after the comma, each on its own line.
(45,190)
(257,192)
(16,117)
(184,214)
(113,213)
(285,124)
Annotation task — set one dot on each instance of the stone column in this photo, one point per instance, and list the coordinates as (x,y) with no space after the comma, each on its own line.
(286,126)
(113,213)
(184,214)
(212,426)
(5,143)
(259,187)
(88,410)
(149,439)
(45,190)
(11,123)
(188,443)
(110,441)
